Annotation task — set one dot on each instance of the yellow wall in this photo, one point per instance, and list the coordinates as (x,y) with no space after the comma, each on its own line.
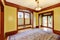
(10,18)
(35,19)
(56,17)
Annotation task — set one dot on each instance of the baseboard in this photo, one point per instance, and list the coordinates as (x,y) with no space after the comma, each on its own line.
(37,26)
(10,33)
(56,32)
(24,28)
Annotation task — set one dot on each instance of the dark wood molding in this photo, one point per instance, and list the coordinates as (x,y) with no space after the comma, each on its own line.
(52,13)
(25,28)
(17,19)
(18,6)
(50,7)
(32,20)
(10,33)
(25,25)
(56,32)
(24,18)
(26,8)
(1,21)
(37,26)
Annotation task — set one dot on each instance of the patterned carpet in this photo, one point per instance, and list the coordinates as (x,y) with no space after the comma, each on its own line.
(34,34)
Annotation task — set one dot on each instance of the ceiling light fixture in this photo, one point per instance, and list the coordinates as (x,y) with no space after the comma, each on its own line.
(38,7)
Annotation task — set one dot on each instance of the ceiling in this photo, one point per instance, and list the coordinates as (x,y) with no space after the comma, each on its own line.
(32,4)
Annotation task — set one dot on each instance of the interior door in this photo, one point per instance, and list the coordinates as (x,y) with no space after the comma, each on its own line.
(1,21)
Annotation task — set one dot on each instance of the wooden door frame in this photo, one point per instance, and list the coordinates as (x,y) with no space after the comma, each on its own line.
(46,13)
(2,21)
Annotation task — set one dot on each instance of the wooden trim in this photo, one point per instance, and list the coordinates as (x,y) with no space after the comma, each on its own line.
(38,20)
(50,7)
(1,21)
(18,6)
(56,32)
(26,8)
(10,33)
(24,18)
(53,20)
(47,22)
(24,28)
(24,25)
(37,26)
(47,19)
(32,20)
(17,19)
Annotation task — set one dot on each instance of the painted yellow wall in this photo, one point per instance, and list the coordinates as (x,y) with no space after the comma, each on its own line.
(10,18)
(35,19)
(56,17)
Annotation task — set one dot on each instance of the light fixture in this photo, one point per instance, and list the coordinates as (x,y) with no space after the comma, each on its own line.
(38,7)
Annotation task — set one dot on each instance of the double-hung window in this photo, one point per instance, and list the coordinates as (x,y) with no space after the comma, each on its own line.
(24,18)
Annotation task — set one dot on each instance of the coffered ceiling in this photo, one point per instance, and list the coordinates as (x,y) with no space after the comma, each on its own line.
(32,4)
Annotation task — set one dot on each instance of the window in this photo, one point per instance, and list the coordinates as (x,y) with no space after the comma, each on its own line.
(20,14)
(50,21)
(27,18)
(20,18)
(24,18)
(47,20)
(44,20)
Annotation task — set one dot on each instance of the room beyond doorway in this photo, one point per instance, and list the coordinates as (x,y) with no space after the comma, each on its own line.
(46,19)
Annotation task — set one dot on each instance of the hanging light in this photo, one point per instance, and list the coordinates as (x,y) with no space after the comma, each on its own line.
(38,7)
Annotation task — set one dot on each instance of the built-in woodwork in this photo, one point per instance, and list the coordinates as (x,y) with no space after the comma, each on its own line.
(1,21)
(46,15)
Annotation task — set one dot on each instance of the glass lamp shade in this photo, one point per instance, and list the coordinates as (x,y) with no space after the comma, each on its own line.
(37,8)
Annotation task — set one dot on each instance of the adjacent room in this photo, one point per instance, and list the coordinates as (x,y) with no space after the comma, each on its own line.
(30,19)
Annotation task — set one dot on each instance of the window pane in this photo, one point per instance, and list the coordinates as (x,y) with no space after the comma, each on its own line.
(20,18)
(50,21)
(27,15)
(20,14)
(27,18)
(44,20)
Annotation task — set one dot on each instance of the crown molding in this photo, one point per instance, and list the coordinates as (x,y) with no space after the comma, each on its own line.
(32,10)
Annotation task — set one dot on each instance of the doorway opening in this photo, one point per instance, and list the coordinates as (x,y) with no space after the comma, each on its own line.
(46,19)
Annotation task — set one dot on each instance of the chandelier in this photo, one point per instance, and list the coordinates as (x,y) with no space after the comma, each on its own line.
(38,7)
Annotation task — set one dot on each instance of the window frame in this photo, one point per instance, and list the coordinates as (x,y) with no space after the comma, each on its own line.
(23,20)
(44,14)
(24,17)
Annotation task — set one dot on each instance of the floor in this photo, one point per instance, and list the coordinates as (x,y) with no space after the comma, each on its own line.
(44,29)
